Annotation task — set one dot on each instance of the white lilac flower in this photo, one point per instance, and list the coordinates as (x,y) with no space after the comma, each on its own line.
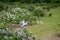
(22,13)
(12,16)
(19,9)
(13,10)
(7,29)
(5,37)
(10,37)
(27,12)
(22,23)
(0,30)
(16,9)
(8,14)
(3,10)
(4,31)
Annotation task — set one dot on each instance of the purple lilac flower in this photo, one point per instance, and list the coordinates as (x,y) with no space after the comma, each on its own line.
(0,30)
(19,33)
(3,31)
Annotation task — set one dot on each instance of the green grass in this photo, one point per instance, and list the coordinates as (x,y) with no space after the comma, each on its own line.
(49,26)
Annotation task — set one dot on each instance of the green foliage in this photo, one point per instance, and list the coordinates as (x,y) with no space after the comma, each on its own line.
(14,13)
(32,1)
(1,7)
(31,7)
(8,34)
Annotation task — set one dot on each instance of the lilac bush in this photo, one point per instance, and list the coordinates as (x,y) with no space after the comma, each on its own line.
(8,34)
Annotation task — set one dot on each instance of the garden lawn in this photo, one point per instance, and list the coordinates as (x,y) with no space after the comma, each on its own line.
(50,25)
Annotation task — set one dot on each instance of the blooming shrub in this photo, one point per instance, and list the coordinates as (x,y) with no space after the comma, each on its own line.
(17,14)
(8,34)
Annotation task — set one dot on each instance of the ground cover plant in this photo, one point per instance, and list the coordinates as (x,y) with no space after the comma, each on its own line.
(21,34)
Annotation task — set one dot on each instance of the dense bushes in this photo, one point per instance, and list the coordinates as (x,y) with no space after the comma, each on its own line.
(18,13)
(13,13)
(21,34)
(6,5)
(32,1)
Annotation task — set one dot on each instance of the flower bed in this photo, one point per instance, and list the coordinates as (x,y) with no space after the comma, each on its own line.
(21,34)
